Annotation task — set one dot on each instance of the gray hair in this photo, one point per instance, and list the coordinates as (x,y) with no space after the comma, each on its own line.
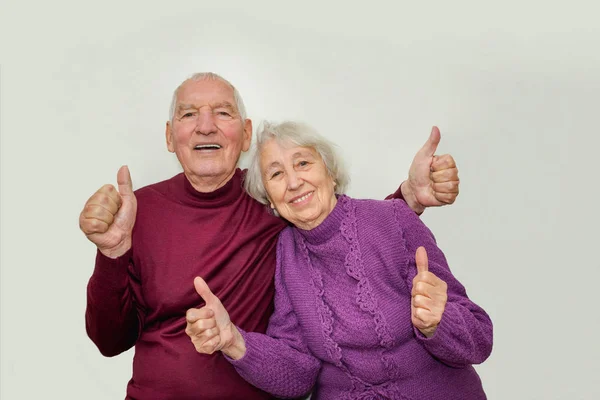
(200,76)
(299,134)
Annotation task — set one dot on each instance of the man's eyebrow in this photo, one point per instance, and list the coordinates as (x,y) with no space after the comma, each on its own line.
(182,106)
(224,104)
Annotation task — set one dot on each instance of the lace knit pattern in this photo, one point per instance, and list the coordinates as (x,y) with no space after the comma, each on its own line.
(367,302)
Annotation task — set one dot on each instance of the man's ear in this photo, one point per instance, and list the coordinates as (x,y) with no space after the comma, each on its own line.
(169,137)
(247,134)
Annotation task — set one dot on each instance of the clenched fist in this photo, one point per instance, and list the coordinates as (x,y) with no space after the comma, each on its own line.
(429,297)
(108,216)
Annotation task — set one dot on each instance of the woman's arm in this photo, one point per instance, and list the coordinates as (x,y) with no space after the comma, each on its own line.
(278,362)
(464,333)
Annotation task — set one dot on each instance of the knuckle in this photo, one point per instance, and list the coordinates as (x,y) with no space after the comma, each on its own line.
(97,226)
(108,188)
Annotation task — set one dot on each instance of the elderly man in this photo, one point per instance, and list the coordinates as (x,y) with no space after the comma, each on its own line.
(152,243)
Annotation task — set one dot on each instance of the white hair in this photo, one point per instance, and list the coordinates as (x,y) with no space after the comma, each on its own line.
(299,134)
(200,76)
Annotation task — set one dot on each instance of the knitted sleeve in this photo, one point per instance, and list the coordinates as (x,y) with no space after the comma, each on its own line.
(112,319)
(279,362)
(465,334)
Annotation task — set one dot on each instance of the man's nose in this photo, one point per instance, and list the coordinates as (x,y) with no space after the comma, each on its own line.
(205,123)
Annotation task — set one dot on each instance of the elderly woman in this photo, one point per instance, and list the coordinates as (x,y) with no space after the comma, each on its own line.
(365,306)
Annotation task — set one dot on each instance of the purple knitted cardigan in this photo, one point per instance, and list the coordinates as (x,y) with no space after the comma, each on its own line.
(342,324)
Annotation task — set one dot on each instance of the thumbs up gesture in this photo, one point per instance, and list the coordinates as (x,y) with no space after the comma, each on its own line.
(429,297)
(432,180)
(210,328)
(108,216)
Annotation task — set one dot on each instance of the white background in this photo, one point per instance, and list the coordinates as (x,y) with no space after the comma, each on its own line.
(513,85)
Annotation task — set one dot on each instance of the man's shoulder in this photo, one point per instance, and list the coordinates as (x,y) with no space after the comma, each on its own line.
(162,188)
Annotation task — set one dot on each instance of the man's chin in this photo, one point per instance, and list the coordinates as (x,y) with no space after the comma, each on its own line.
(211,172)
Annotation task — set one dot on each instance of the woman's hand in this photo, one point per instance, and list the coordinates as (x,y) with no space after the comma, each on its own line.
(210,328)
(429,296)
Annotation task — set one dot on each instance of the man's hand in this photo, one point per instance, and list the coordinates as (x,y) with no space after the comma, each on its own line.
(108,216)
(210,327)
(432,180)
(429,297)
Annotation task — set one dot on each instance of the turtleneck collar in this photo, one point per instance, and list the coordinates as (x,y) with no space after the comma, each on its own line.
(330,225)
(223,196)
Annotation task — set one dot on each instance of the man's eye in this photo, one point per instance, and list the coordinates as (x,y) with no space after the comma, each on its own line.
(188,115)
(223,114)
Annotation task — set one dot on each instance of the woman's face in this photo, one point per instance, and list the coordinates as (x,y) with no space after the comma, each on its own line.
(297,183)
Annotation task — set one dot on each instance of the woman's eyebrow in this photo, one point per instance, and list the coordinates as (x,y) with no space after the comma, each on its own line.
(301,153)
(273,165)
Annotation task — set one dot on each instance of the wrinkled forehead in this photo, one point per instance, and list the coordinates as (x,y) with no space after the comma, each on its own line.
(205,92)
(279,150)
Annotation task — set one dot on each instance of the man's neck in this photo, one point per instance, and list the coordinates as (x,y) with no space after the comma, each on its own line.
(209,184)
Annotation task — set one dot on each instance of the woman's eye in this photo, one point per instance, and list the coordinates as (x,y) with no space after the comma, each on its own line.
(275,174)
(302,163)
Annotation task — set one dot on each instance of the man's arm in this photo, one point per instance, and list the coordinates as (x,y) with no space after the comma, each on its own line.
(107,219)
(112,319)
(432,180)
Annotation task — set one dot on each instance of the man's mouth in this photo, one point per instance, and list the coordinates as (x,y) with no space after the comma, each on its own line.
(210,146)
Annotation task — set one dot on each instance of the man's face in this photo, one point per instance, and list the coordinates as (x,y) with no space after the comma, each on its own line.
(207,133)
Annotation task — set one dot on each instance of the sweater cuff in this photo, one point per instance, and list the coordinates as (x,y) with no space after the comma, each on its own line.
(254,358)
(112,271)
(443,337)
(397,194)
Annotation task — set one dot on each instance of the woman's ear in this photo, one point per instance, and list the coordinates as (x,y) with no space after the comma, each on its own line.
(270,203)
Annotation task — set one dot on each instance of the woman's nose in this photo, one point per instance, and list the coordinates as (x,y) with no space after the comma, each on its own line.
(294,181)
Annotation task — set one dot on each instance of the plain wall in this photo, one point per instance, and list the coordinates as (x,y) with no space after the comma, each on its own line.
(514,87)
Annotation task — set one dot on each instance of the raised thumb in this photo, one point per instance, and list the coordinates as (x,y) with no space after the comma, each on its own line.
(431,144)
(203,290)
(124,181)
(421,260)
